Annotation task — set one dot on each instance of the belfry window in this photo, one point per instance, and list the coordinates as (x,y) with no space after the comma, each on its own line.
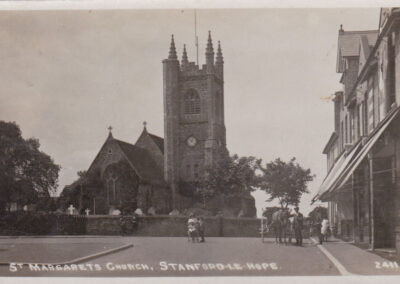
(192,102)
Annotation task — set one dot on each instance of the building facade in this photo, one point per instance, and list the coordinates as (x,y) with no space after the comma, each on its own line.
(363,153)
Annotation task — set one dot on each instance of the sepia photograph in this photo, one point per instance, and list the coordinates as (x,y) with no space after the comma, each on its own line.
(198,142)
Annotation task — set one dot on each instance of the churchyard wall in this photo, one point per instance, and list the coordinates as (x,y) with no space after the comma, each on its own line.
(174,226)
(152,226)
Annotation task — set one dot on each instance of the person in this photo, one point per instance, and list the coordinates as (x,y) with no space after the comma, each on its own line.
(192,228)
(290,229)
(324,230)
(201,229)
(298,226)
(318,226)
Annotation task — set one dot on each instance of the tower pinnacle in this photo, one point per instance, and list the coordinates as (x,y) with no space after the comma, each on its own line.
(185,60)
(209,53)
(209,49)
(172,49)
(220,58)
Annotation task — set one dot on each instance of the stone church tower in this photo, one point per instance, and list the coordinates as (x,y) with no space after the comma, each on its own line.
(194,127)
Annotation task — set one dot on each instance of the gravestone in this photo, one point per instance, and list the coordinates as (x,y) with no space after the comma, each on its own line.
(151,211)
(71,210)
(139,212)
(174,212)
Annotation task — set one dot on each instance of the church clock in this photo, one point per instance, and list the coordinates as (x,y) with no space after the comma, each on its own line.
(191,141)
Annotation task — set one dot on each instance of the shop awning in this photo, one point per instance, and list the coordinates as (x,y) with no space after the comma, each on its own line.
(345,167)
(338,169)
(367,147)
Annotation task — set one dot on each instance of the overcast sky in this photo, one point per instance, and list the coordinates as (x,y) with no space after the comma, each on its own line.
(65,76)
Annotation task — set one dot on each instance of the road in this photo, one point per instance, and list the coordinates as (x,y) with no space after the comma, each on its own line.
(153,256)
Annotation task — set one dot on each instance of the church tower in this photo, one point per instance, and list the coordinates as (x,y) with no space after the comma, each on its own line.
(194,126)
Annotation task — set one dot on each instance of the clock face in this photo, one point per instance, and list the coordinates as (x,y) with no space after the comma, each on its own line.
(191,141)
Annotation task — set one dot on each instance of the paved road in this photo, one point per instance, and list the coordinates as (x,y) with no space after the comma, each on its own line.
(154,256)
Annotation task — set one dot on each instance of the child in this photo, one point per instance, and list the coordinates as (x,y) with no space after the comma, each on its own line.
(192,228)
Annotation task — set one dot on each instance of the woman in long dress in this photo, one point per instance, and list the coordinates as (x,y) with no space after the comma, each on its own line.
(324,229)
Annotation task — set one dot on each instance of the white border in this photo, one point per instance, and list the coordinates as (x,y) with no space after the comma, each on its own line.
(201,4)
(187,4)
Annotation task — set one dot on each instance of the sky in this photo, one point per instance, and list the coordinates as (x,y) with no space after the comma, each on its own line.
(66,76)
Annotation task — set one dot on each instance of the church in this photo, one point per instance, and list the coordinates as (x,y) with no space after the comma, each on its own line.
(161,173)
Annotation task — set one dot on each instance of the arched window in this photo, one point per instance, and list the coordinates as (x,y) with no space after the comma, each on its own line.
(192,102)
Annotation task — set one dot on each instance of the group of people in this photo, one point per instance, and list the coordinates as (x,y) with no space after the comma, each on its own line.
(196,229)
(322,228)
(284,224)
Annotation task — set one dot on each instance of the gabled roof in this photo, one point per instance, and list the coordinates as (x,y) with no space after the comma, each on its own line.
(142,162)
(158,141)
(365,50)
(349,45)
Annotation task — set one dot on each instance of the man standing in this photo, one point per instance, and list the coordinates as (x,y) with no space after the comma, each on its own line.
(298,226)
(201,229)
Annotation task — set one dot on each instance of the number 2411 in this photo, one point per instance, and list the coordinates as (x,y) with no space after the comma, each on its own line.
(386,264)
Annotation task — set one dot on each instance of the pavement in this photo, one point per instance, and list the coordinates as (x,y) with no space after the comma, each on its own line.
(175,256)
(57,249)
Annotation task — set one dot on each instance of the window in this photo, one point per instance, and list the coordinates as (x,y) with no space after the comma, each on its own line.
(192,102)
(351,128)
(361,112)
(196,170)
(346,129)
(365,114)
(341,136)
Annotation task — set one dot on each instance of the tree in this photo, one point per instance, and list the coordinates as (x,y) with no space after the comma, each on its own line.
(318,213)
(267,213)
(231,176)
(91,185)
(26,173)
(285,181)
(227,185)
(82,191)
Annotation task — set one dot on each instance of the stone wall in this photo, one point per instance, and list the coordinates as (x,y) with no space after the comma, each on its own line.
(167,226)
(103,225)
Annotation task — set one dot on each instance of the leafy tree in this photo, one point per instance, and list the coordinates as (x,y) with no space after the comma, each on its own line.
(285,181)
(90,185)
(267,213)
(82,191)
(317,213)
(231,176)
(26,173)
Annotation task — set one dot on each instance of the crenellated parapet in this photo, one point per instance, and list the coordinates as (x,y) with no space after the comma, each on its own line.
(214,63)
